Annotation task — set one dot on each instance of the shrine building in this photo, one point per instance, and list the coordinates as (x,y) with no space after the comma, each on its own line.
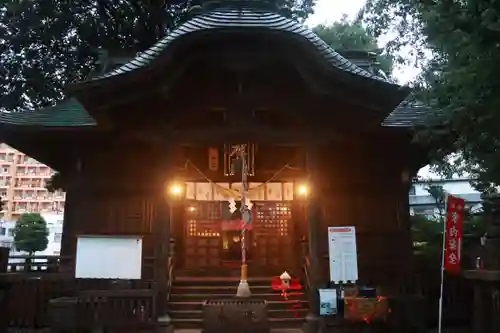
(327,142)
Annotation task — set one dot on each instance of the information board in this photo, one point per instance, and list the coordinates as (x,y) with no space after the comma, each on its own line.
(108,257)
(327,302)
(342,254)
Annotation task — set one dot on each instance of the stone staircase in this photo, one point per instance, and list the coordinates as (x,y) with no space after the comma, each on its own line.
(189,293)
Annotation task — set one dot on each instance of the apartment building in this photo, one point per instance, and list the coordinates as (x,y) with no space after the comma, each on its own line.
(22,186)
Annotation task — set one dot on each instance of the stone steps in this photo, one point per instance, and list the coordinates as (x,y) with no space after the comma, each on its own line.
(189,293)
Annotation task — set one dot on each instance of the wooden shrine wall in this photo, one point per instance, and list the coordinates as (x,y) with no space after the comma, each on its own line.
(121,190)
(115,192)
(365,186)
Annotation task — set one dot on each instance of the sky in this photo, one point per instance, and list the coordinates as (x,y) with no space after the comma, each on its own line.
(329,11)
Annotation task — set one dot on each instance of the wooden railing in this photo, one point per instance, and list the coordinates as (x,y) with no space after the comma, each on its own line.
(486,304)
(39,264)
(25,300)
(126,309)
(43,265)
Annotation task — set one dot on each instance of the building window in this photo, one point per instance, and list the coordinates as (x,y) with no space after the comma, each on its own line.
(57,237)
(412,190)
(2,231)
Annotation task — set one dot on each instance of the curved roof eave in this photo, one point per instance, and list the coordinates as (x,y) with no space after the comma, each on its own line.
(230,18)
(66,114)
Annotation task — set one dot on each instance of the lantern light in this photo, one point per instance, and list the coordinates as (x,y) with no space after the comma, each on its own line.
(175,189)
(303,190)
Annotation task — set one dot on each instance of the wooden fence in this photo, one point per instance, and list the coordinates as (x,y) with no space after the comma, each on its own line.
(25,296)
(25,300)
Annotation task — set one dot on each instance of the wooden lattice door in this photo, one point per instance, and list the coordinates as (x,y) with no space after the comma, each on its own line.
(273,235)
(203,242)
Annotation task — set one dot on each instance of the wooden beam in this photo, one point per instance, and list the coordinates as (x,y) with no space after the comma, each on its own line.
(254,134)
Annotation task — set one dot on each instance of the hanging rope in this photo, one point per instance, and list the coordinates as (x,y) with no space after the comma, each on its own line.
(243,207)
(227,192)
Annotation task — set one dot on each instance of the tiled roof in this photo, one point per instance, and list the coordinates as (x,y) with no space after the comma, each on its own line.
(69,113)
(227,19)
(407,115)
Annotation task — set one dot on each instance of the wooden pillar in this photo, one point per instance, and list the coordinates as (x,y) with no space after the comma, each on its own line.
(314,223)
(68,241)
(161,231)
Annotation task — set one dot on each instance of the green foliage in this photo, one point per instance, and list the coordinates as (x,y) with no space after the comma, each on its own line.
(56,182)
(352,36)
(425,229)
(427,232)
(455,43)
(31,233)
(44,45)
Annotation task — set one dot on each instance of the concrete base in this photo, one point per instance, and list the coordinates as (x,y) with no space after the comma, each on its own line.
(313,324)
(164,325)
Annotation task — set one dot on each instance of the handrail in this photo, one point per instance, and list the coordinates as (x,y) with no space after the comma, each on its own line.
(306,264)
(171,268)
(305,267)
(171,264)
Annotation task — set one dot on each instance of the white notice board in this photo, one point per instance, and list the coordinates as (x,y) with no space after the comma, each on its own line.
(108,257)
(342,253)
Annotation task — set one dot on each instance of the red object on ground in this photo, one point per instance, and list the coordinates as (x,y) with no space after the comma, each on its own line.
(277,284)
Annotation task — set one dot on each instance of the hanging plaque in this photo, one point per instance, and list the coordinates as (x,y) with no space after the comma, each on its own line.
(213,159)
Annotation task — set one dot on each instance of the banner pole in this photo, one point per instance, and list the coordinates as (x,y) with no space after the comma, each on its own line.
(440,309)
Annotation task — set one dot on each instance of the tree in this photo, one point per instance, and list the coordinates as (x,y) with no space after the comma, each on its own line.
(44,45)
(427,234)
(428,231)
(438,193)
(31,233)
(456,44)
(352,36)
(56,182)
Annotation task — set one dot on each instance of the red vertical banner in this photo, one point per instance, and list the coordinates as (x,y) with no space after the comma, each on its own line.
(453,234)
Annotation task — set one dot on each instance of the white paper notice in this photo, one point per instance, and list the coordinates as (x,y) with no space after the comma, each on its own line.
(342,254)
